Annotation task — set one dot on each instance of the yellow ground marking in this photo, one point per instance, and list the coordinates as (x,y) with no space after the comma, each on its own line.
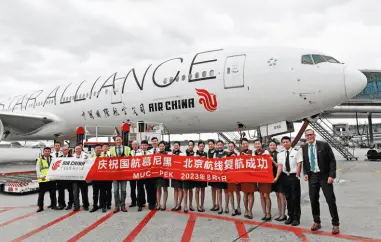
(338,170)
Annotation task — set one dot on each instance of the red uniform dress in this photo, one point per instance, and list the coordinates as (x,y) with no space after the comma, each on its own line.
(248,186)
(263,187)
(232,187)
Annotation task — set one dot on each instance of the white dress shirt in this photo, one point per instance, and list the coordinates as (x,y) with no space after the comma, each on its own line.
(135,152)
(295,157)
(54,154)
(317,169)
(151,151)
(266,152)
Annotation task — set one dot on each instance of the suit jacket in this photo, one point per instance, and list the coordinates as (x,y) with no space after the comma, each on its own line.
(324,156)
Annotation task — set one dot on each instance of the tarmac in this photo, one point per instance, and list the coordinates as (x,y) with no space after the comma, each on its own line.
(357,193)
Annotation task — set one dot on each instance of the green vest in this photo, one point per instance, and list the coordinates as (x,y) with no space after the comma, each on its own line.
(44,167)
(126,151)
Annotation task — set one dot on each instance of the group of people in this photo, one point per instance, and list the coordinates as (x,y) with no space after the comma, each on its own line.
(315,158)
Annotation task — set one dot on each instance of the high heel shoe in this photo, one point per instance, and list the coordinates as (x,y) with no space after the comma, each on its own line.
(226,210)
(178,209)
(199,209)
(163,208)
(235,212)
(185,210)
(191,209)
(220,212)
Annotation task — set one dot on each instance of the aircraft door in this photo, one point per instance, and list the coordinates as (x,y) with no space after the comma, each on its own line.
(234,71)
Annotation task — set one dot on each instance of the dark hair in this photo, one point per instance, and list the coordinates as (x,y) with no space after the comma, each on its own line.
(220,141)
(273,141)
(154,138)
(258,140)
(57,142)
(47,148)
(200,142)
(144,142)
(211,140)
(176,142)
(191,141)
(97,145)
(231,142)
(79,144)
(285,138)
(118,136)
(244,139)
(105,144)
(162,142)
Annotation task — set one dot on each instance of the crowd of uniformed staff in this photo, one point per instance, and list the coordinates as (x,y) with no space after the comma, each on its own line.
(315,158)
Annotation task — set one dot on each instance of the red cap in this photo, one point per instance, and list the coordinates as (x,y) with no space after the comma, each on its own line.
(125,127)
(80,130)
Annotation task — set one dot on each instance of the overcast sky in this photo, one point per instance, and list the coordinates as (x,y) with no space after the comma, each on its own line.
(48,42)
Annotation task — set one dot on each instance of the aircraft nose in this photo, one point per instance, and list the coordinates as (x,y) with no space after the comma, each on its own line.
(355,81)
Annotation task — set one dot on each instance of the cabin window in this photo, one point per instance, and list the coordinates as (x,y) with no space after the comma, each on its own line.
(177,78)
(330,59)
(318,59)
(190,77)
(307,59)
(211,73)
(183,77)
(204,74)
(165,80)
(197,75)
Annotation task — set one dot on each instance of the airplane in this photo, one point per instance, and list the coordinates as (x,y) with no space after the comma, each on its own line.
(208,91)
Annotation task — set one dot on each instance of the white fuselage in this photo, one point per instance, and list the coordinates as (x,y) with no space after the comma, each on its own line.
(252,86)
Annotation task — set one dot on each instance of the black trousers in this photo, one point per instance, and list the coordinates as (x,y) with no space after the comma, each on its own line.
(51,188)
(62,186)
(150,185)
(97,187)
(291,189)
(133,192)
(107,192)
(141,198)
(80,186)
(315,182)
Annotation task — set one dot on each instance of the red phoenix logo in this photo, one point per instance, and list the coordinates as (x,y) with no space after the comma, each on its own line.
(209,100)
(56,165)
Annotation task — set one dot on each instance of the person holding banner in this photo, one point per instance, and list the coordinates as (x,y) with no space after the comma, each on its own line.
(189,185)
(277,186)
(248,188)
(212,154)
(134,152)
(149,184)
(162,183)
(154,143)
(219,186)
(80,186)
(200,185)
(42,167)
(67,184)
(98,185)
(234,187)
(107,184)
(177,185)
(120,187)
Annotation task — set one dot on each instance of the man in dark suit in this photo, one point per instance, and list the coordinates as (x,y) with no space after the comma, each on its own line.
(319,166)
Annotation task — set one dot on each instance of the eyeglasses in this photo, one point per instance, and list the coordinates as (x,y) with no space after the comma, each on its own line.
(307,135)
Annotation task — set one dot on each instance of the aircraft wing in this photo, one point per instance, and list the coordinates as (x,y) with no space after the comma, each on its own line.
(21,124)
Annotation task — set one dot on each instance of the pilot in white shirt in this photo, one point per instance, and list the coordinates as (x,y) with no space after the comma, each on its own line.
(56,152)
(291,161)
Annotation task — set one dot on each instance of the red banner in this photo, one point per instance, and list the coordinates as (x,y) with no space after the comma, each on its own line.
(231,169)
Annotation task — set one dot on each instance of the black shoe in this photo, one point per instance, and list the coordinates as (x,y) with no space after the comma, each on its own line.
(221,211)
(104,210)
(264,218)
(61,207)
(289,221)
(68,207)
(40,209)
(50,206)
(191,209)
(86,208)
(151,207)
(185,210)
(55,208)
(108,207)
(268,219)
(132,205)
(140,209)
(295,223)
(76,209)
(93,209)
(281,219)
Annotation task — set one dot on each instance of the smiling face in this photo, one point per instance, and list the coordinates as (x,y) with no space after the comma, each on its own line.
(118,141)
(161,147)
(245,145)
(310,136)
(201,147)
(211,145)
(258,145)
(231,147)
(220,146)
(272,146)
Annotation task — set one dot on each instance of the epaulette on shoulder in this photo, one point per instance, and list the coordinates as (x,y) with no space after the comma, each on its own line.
(296,149)
(281,151)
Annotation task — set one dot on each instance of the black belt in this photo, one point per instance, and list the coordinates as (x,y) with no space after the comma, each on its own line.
(288,174)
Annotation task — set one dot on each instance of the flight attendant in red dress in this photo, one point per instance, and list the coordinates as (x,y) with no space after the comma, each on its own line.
(234,187)
(248,188)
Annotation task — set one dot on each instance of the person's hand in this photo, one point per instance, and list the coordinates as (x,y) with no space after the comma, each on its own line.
(275,180)
(43,178)
(330,180)
(306,177)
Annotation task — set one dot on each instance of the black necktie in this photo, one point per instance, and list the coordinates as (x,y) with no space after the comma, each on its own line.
(57,154)
(288,161)
(154,150)
(144,152)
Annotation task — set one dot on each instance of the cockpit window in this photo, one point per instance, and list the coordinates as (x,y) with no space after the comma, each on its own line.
(318,59)
(330,59)
(306,59)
